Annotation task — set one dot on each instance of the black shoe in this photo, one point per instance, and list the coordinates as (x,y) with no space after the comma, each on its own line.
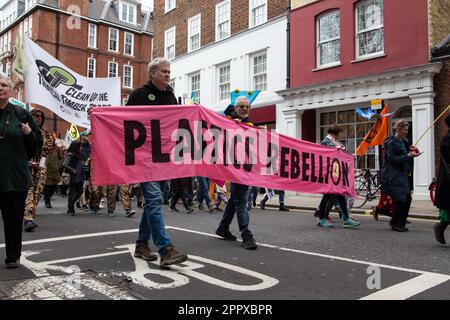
(283,208)
(249,244)
(399,229)
(174,209)
(262,204)
(78,205)
(48,205)
(227,235)
(130,212)
(249,207)
(29,226)
(12,264)
(439,232)
(254,204)
(139,204)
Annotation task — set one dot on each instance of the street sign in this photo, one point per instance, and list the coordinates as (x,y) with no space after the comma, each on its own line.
(376,104)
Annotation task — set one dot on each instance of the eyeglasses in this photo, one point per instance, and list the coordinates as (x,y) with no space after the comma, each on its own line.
(244,106)
(38,116)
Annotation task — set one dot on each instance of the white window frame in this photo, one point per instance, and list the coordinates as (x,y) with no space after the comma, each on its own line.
(218,6)
(251,10)
(131,76)
(197,96)
(117,40)
(95,67)
(117,69)
(252,66)
(358,32)
(127,12)
(219,83)
(166,45)
(319,43)
(125,44)
(168,7)
(94,35)
(199,33)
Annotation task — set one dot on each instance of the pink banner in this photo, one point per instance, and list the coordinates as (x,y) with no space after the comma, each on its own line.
(152,143)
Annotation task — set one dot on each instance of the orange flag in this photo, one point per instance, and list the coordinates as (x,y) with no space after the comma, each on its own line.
(376,135)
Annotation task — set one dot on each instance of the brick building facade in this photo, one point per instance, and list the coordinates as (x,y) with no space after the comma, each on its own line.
(222,45)
(345,53)
(84,45)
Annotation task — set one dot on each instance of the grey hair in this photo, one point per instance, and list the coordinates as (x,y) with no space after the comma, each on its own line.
(155,63)
(4,76)
(242,98)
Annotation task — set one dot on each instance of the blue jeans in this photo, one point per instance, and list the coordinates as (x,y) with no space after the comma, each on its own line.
(281,195)
(237,205)
(252,194)
(152,223)
(203,191)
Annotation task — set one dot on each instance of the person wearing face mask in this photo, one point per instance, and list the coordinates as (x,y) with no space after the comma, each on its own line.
(19,141)
(394,174)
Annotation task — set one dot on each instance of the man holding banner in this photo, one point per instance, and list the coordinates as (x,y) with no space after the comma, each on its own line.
(237,204)
(156,92)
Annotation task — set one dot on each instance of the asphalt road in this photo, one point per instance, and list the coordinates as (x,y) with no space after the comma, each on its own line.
(90,257)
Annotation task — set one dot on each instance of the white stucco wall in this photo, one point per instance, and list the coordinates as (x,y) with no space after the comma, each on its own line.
(237,50)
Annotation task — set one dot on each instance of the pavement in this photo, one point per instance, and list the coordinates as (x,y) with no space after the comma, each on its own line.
(422,209)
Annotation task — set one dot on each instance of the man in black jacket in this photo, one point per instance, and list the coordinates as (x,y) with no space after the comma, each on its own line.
(237,204)
(156,92)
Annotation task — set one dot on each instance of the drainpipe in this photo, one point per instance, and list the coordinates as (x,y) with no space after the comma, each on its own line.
(288,47)
(58,22)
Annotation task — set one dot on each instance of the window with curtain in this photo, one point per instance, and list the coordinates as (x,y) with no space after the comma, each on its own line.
(369,28)
(328,39)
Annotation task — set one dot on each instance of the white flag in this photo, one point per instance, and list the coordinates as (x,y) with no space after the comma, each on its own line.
(51,84)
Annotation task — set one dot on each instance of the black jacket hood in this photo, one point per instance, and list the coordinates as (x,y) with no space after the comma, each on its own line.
(35,111)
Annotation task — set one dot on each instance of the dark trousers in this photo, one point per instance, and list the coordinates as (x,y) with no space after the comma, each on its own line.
(49,190)
(179,189)
(327,203)
(401,212)
(75,192)
(12,206)
(237,205)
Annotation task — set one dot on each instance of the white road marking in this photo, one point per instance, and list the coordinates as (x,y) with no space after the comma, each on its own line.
(425,281)
(368,263)
(409,288)
(80,236)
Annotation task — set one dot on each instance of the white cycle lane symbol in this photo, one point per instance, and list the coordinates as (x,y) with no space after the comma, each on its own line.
(178,275)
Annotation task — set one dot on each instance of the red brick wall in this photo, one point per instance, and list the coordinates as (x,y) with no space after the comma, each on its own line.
(186,9)
(441,101)
(73,52)
(405,41)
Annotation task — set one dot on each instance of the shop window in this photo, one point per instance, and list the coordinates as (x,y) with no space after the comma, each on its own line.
(354,128)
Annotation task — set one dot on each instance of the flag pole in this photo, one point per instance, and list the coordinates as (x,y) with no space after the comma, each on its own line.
(431,125)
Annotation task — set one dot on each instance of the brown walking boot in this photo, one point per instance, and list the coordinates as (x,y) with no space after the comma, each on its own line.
(171,256)
(143,251)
